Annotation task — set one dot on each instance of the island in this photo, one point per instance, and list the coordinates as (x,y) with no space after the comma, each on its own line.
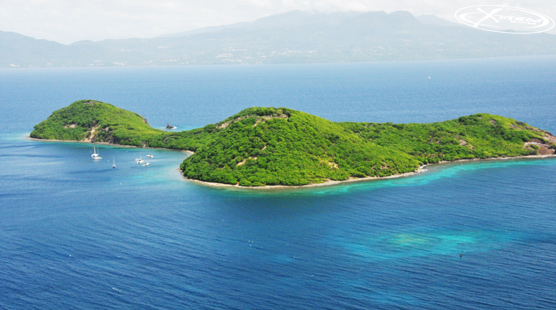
(284,147)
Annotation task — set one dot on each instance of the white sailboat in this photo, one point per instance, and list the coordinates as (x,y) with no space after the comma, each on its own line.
(113,162)
(95,155)
(139,159)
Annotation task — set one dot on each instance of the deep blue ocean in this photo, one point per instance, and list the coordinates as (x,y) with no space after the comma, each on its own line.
(77,234)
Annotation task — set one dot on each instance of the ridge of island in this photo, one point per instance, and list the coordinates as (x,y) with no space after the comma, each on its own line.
(284,147)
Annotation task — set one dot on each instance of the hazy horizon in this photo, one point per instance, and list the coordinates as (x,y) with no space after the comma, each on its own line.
(67,22)
(206,27)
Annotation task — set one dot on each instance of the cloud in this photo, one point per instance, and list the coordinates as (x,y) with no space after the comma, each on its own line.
(68,20)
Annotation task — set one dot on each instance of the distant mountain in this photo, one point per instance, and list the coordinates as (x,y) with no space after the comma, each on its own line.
(19,50)
(293,37)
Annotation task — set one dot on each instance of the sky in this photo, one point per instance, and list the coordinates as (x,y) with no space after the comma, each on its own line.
(68,21)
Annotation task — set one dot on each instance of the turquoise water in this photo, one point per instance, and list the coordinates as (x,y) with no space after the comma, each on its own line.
(76,233)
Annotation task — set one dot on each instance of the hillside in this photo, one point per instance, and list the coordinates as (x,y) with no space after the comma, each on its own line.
(280,146)
(267,146)
(95,121)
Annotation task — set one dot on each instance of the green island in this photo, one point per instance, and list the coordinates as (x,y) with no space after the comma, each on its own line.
(280,146)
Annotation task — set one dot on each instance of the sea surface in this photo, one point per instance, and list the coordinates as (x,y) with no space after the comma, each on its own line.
(78,234)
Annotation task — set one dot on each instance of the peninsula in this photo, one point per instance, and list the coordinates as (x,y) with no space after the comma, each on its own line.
(280,146)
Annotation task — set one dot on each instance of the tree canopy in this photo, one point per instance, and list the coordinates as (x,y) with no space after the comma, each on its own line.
(281,146)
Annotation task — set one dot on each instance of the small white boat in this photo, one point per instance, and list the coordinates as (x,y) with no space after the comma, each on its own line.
(146,164)
(95,155)
(150,156)
(140,161)
(113,162)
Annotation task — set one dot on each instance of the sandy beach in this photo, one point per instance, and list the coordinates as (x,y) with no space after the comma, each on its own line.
(326,183)
(352,180)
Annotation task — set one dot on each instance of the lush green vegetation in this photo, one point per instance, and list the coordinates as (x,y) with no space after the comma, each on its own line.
(113,125)
(468,137)
(269,146)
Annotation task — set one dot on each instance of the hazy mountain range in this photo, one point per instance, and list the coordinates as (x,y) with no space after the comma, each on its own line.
(293,37)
